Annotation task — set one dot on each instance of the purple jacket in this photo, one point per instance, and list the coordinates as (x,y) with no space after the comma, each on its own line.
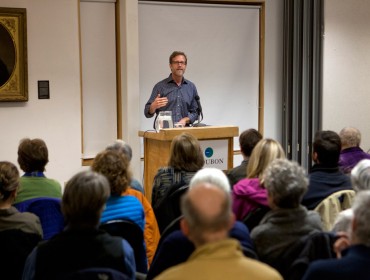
(248,195)
(350,157)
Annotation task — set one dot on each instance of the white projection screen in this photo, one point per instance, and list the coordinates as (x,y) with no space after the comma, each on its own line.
(222,45)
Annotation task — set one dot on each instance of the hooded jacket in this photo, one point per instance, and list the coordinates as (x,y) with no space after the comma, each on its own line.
(248,194)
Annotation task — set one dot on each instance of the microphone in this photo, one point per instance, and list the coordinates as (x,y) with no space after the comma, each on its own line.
(200,111)
(197,99)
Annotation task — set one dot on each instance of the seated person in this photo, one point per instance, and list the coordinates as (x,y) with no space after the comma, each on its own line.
(325,177)
(81,245)
(247,141)
(115,166)
(176,247)
(250,193)
(351,152)
(355,260)
(288,220)
(119,176)
(32,158)
(125,148)
(207,220)
(360,178)
(19,232)
(185,160)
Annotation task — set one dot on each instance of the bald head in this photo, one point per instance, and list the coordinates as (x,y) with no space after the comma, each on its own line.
(207,212)
(208,200)
(350,137)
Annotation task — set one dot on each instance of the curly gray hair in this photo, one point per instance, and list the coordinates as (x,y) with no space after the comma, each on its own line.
(286,183)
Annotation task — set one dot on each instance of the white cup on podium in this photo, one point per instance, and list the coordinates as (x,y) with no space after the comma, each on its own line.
(178,125)
(164,120)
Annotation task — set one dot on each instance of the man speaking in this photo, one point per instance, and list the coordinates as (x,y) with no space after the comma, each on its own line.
(175,94)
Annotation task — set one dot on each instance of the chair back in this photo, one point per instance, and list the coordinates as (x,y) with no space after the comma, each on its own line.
(331,206)
(134,235)
(173,226)
(253,218)
(169,209)
(98,273)
(15,248)
(48,210)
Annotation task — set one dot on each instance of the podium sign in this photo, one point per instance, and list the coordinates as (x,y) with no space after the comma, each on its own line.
(215,153)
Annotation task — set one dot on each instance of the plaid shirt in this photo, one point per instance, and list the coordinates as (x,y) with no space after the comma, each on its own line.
(181,99)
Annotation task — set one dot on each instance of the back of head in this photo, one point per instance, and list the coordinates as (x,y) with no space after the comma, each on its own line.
(286,182)
(207,206)
(350,137)
(9,179)
(186,153)
(248,140)
(84,198)
(121,146)
(263,154)
(32,155)
(361,214)
(115,167)
(212,176)
(327,146)
(360,175)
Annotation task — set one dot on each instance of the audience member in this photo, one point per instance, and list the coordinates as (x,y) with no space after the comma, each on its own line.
(176,247)
(355,261)
(250,193)
(32,158)
(185,160)
(207,220)
(115,166)
(81,245)
(247,141)
(175,93)
(325,177)
(125,148)
(19,232)
(351,152)
(288,221)
(360,178)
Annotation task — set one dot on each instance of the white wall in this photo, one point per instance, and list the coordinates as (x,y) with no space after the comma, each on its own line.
(273,71)
(53,54)
(346,87)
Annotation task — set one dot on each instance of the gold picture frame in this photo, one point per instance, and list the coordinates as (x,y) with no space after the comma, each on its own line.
(13,55)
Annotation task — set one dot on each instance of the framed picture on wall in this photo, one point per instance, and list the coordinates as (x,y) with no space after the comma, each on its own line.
(13,55)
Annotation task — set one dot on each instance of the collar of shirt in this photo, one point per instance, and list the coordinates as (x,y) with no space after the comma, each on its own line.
(170,80)
(34,174)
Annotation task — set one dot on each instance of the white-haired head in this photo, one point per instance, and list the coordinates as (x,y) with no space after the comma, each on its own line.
(360,175)
(212,176)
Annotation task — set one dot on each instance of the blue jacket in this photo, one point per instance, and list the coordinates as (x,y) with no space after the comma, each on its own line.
(324,181)
(355,264)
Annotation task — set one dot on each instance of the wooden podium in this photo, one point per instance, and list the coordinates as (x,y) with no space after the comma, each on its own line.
(157,147)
